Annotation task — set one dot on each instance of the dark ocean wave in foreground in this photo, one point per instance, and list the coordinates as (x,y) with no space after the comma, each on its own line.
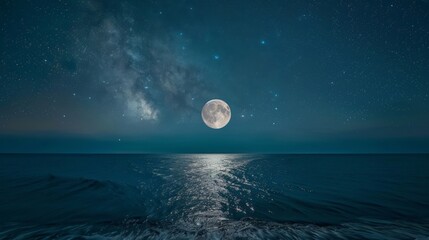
(244,229)
(52,199)
(214,197)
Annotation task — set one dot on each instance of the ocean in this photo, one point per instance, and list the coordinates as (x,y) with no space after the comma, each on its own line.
(214,196)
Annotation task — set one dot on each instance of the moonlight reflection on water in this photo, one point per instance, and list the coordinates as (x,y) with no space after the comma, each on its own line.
(209,180)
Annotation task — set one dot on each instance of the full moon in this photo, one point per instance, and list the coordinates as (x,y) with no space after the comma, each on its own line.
(216,113)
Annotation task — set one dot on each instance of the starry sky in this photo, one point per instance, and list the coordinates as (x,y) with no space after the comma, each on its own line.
(107,76)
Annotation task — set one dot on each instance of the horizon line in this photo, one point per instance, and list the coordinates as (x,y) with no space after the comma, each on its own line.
(184,153)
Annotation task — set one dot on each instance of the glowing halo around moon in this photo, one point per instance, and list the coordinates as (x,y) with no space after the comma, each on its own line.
(216,114)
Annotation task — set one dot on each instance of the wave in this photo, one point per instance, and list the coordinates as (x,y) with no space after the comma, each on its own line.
(244,229)
(46,199)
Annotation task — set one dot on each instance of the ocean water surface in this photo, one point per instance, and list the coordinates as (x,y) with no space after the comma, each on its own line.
(214,196)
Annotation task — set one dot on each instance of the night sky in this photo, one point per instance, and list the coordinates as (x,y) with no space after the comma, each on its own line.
(132,76)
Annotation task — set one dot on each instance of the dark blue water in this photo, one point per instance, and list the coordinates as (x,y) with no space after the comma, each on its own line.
(227,196)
